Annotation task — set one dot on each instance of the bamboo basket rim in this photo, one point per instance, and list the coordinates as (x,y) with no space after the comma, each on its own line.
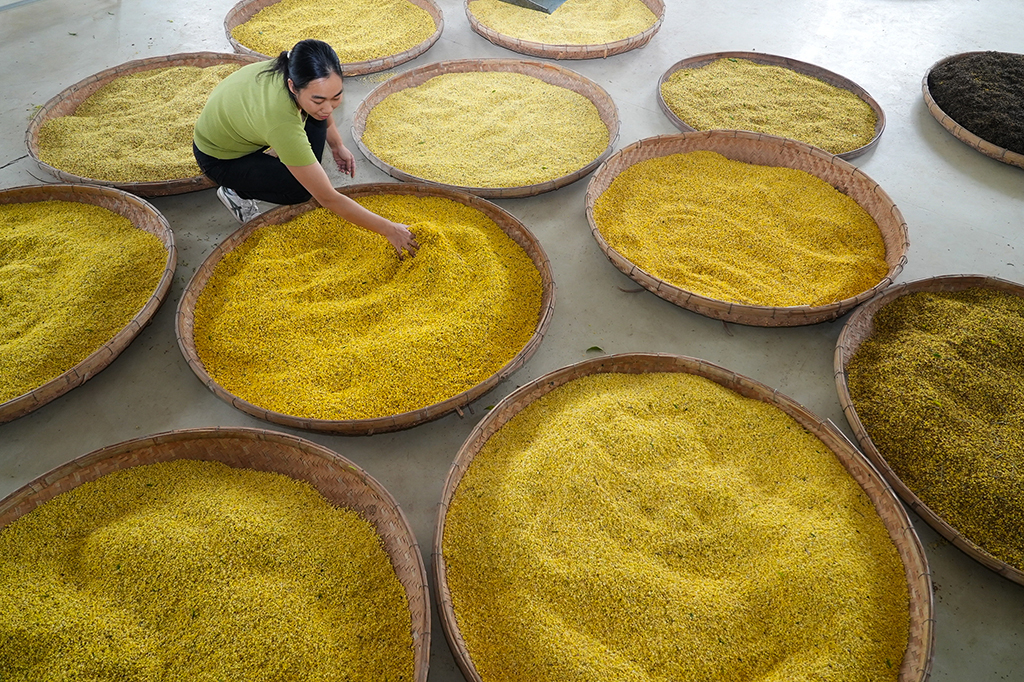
(958,131)
(786,152)
(334,474)
(804,68)
(512,226)
(244,10)
(143,216)
(546,72)
(567,50)
(858,328)
(67,101)
(917,662)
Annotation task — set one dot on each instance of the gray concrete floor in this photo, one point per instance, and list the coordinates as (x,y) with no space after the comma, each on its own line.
(965,214)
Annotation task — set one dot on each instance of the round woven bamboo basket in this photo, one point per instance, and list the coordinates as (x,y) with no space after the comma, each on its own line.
(958,131)
(67,101)
(804,68)
(764,150)
(860,327)
(917,661)
(549,73)
(144,216)
(338,479)
(589,51)
(246,9)
(185,320)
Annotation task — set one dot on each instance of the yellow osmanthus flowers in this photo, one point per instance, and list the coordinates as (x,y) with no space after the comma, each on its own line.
(741,94)
(662,528)
(575,22)
(732,231)
(486,129)
(137,128)
(190,570)
(358,30)
(318,318)
(72,275)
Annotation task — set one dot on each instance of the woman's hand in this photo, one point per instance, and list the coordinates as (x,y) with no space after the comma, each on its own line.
(402,238)
(342,156)
(345,159)
(314,178)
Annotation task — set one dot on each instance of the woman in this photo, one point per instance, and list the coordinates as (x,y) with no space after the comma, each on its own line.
(284,105)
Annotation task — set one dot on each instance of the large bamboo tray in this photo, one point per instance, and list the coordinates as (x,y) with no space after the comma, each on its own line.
(804,68)
(549,73)
(551,51)
(858,328)
(336,478)
(185,319)
(765,150)
(67,101)
(246,9)
(916,665)
(143,216)
(958,131)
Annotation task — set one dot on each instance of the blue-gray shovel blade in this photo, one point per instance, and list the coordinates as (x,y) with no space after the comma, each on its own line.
(547,6)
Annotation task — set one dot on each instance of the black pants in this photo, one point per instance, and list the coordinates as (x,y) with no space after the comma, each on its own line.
(261,176)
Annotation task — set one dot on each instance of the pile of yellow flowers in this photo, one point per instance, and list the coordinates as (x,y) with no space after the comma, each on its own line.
(319,318)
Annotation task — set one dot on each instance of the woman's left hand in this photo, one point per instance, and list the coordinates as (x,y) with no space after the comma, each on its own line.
(345,160)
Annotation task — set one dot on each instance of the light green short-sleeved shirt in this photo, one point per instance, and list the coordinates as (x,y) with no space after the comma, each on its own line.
(248,111)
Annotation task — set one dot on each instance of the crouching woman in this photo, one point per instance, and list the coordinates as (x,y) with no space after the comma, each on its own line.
(284,105)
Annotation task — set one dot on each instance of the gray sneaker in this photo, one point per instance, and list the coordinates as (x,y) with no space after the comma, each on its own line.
(244,210)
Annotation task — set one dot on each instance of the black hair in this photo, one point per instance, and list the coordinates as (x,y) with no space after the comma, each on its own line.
(308,61)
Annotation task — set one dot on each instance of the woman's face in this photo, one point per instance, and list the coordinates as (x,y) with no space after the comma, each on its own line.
(319,98)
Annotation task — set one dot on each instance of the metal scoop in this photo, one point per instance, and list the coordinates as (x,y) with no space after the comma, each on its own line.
(547,6)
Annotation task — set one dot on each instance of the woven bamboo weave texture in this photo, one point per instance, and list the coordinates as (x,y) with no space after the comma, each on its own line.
(958,131)
(765,150)
(343,483)
(185,317)
(67,101)
(793,65)
(917,661)
(551,51)
(552,74)
(145,217)
(246,9)
(858,328)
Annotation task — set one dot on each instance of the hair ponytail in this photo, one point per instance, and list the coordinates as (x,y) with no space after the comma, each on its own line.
(308,61)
